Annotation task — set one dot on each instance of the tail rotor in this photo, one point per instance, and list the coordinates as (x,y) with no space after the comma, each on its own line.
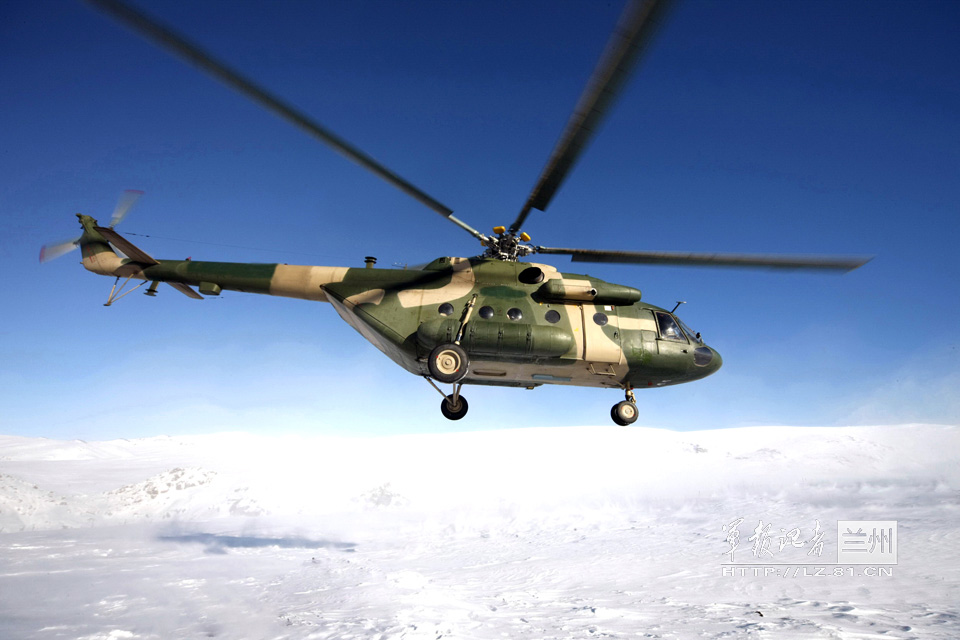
(50,252)
(127,199)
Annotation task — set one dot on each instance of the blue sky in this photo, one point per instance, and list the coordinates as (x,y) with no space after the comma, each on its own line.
(815,127)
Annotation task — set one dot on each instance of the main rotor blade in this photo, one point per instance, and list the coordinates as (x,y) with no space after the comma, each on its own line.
(190,52)
(127,199)
(816,263)
(637,24)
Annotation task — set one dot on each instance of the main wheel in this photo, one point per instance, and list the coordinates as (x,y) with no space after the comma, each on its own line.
(452,411)
(624,413)
(448,363)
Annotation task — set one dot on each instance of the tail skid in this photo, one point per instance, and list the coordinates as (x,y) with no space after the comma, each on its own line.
(118,292)
(115,292)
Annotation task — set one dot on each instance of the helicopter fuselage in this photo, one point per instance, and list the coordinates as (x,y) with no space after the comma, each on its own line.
(522,324)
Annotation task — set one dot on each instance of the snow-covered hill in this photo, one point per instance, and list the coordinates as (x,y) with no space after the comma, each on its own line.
(566,532)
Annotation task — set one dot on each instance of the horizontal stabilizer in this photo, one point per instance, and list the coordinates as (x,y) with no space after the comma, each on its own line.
(185,290)
(132,252)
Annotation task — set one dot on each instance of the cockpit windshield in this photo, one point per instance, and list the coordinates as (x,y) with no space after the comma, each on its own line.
(693,335)
(670,328)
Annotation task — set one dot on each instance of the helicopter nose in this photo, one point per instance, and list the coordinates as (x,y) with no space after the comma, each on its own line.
(708,359)
(717,361)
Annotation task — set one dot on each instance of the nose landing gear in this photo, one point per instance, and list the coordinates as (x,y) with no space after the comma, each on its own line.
(625,412)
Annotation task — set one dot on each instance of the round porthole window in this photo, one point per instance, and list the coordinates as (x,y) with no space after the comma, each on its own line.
(514,314)
(445,309)
(486,312)
(552,316)
(600,318)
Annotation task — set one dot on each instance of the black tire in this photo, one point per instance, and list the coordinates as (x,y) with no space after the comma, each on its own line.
(624,413)
(448,363)
(615,418)
(454,412)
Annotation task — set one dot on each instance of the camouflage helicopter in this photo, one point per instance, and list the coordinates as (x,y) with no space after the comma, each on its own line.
(491,319)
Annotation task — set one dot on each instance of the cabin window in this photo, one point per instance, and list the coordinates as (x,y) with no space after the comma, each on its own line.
(514,314)
(446,309)
(486,312)
(669,329)
(601,318)
(553,316)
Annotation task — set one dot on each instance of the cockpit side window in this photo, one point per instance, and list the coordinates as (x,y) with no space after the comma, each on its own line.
(693,335)
(669,329)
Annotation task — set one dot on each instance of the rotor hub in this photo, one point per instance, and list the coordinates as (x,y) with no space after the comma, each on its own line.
(507,246)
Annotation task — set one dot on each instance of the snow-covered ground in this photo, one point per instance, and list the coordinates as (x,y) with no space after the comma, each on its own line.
(536,533)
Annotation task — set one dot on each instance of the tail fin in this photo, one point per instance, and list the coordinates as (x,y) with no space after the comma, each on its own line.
(99,257)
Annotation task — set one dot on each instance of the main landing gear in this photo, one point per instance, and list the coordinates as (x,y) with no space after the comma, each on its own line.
(625,412)
(453,406)
(449,363)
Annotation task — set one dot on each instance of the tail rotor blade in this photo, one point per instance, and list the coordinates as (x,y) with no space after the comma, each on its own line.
(50,252)
(124,204)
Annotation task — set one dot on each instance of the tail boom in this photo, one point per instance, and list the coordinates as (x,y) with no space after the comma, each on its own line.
(291,281)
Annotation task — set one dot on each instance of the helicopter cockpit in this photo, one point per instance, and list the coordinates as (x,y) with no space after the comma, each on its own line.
(672,328)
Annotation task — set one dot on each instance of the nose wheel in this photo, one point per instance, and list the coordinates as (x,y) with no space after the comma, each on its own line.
(625,412)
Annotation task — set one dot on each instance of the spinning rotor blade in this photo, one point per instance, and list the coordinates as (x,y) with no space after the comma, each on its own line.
(176,44)
(50,252)
(816,263)
(636,25)
(127,199)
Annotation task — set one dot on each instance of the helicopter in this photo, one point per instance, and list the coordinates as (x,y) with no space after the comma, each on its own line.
(494,319)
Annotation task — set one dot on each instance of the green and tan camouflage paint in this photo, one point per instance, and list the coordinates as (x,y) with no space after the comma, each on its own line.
(401,313)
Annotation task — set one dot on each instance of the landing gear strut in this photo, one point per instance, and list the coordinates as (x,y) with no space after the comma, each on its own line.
(454,406)
(449,362)
(625,412)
